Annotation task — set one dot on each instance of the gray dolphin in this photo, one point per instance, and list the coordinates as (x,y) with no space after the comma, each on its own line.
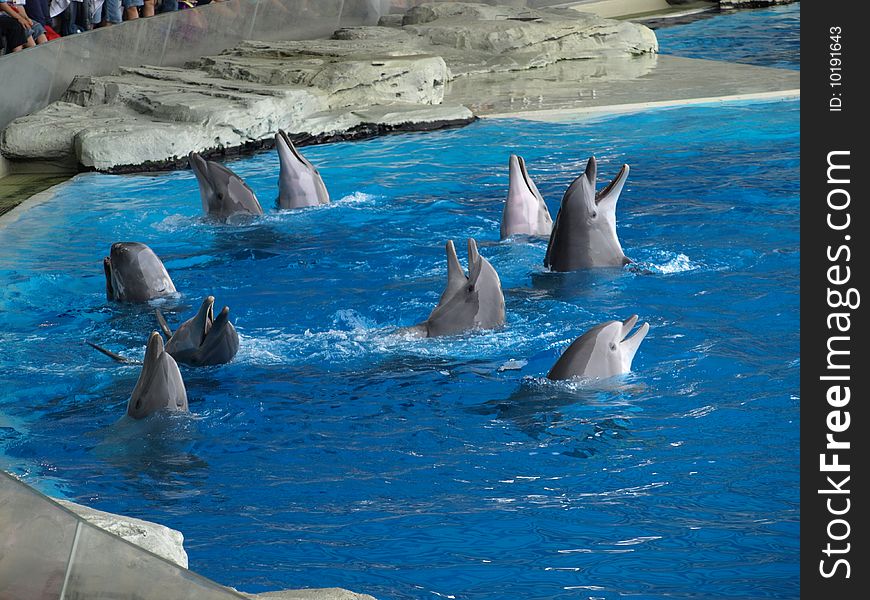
(584,234)
(223,193)
(524,210)
(160,385)
(468,302)
(203,339)
(135,274)
(603,351)
(299,183)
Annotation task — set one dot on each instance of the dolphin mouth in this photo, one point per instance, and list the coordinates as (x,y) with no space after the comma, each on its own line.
(618,180)
(631,344)
(205,318)
(154,348)
(107,269)
(222,320)
(290,146)
(196,161)
(199,167)
(475,264)
(209,318)
(526,180)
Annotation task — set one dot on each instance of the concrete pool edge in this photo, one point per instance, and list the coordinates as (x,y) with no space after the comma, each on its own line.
(83,552)
(11,216)
(569,114)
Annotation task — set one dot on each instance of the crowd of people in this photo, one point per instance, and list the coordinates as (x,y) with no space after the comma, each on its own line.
(27,23)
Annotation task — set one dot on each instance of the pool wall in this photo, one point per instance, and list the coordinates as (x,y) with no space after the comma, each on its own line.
(47,551)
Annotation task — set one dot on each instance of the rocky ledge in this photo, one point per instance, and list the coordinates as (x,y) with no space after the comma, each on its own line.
(364,81)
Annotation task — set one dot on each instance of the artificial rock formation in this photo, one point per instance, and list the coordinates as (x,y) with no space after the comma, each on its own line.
(364,81)
(158,539)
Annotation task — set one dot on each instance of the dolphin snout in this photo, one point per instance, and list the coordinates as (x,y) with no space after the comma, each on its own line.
(630,345)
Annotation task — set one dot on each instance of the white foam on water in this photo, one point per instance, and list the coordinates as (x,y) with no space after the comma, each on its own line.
(678,264)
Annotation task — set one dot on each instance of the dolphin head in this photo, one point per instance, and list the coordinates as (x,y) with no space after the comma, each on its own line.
(204,339)
(584,235)
(603,351)
(160,386)
(299,183)
(135,274)
(524,211)
(223,193)
(474,301)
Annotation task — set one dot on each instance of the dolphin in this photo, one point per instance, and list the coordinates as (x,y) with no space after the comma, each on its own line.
(203,339)
(223,193)
(299,183)
(135,274)
(524,210)
(468,302)
(160,385)
(603,351)
(584,234)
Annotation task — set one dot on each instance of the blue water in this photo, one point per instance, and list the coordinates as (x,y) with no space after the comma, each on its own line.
(336,451)
(769,37)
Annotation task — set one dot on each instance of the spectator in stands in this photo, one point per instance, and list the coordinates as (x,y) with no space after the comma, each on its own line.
(110,14)
(35,34)
(37,10)
(131,8)
(13,25)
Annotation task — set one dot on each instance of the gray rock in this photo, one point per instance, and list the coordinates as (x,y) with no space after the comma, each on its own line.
(159,539)
(390,21)
(365,80)
(479,38)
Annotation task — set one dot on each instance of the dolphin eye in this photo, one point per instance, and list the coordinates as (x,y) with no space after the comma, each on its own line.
(138,404)
(613,346)
(594,214)
(470,287)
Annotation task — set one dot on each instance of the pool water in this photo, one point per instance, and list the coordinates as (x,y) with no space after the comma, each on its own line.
(768,37)
(336,451)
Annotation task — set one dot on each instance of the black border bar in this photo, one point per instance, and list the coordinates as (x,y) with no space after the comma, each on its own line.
(835,125)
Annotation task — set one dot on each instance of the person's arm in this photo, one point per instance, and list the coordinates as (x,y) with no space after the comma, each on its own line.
(9,10)
(28,22)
